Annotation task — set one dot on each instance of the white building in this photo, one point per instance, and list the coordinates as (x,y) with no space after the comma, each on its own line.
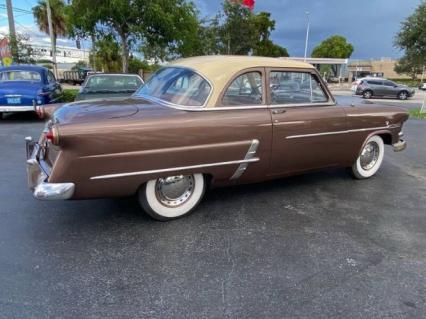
(64,55)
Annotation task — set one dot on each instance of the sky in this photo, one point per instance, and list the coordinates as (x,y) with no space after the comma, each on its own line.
(370,25)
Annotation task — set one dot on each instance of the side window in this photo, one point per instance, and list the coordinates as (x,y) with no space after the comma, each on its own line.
(389,83)
(246,89)
(294,88)
(375,82)
(50,77)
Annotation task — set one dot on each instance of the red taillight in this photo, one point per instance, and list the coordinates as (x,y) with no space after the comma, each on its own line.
(52,135)
(40,111)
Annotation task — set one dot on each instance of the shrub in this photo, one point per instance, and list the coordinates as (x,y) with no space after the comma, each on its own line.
(69,95)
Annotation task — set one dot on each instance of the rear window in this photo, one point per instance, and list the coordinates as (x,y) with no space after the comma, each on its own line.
(112,83)
(7,76)
(177,85)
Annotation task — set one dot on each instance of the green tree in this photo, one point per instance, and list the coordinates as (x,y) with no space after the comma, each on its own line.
(236,30)
(58,18)
(21,51)
(335,46)
(171,30)
(162,26)
(238,33)
(106,55)
(209,38)
(409,65)
(412,39)
(263,26)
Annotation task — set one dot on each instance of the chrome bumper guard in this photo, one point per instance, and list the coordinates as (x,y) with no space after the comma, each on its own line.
(399,146)
(37,178)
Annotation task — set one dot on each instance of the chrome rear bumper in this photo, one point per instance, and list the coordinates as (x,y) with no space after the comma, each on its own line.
(37,178)
(20,108)
(399,146)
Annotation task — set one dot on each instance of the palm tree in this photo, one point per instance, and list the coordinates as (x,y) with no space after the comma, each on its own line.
(58,18)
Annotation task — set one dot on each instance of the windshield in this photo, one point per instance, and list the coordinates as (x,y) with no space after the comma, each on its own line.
(177,85)
(7,76)
(115,83)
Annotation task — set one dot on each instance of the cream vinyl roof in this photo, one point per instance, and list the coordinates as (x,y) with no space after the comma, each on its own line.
(219,69)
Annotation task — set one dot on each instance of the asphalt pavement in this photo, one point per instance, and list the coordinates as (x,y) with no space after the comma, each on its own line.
(321,245)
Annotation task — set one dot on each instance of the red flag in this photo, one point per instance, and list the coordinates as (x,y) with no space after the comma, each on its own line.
(249,4)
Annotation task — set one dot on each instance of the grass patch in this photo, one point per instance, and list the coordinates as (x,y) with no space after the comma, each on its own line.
(416,114)
(69,95)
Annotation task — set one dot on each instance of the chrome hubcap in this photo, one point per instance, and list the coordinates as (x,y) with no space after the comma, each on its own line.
(174,191)
(403,96)
(369,155)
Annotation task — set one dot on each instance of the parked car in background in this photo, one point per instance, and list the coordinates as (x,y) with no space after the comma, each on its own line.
(75,76)
(207,121)
(23,87)
(109,85)
(379,87)
(423,86)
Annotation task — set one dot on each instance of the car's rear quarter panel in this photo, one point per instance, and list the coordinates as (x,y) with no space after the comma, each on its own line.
(160,138)
(387,120)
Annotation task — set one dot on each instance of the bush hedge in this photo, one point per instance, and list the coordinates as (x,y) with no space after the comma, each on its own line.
(408,82)
(68,95)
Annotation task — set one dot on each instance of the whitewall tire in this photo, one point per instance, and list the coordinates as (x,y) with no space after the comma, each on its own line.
(370,159)
(172,197)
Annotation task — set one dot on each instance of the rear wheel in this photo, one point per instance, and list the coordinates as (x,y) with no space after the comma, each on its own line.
(172,197)
(367,94)
(1,115)
(370,159)
(403,95)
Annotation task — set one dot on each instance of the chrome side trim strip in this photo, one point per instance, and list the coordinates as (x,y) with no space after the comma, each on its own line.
(172,169)
(230,108)
(205,108)
(190,148)
(344,132)
(250,154)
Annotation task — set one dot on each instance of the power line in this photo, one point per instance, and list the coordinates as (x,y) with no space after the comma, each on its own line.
(3,6)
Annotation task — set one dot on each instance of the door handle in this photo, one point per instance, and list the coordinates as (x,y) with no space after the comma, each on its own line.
(278,111)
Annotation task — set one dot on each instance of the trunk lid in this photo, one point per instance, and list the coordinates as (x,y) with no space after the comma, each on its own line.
(98,110)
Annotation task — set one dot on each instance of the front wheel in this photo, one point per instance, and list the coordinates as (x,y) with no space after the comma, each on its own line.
(370,159)
(172,197)
(403,95)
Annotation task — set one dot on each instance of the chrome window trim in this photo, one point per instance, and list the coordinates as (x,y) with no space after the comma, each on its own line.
(314,73)
(344,132)
(329,102)
(172,169)
(173,105)
(248,107)
(222,94)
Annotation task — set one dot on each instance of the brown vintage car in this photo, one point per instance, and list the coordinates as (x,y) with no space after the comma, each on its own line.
(207,121)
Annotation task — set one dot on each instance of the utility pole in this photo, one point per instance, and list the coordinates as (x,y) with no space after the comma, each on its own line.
(12,31)
(52,38)
(307,34)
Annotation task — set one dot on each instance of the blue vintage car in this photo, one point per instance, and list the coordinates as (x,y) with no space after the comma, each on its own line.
(23,87)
